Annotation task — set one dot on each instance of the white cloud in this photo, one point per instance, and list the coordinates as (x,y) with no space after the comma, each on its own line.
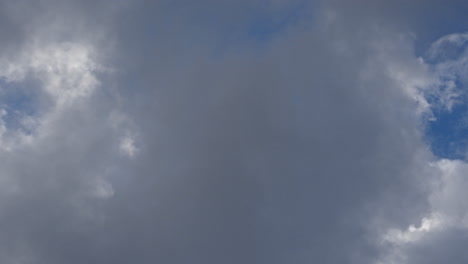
(414,233)
(58,148)
(448,210)
(66,70)
(127,146)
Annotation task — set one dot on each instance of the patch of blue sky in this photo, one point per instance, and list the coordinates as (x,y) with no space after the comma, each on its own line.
(264,26)
(18,102)
(445,19)
(447,132)
(445,51)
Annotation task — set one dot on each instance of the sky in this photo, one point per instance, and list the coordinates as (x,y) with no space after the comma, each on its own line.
(246,131)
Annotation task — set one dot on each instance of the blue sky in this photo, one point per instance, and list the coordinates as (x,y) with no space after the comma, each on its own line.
(447,132)
(265,25)
(19,102)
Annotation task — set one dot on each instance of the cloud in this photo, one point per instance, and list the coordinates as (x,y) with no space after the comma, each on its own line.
(433,238)
(160,132)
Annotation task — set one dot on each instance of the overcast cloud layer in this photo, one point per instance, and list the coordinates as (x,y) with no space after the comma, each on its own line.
(262,131)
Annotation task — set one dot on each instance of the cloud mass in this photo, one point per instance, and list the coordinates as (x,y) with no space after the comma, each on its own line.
(232,132)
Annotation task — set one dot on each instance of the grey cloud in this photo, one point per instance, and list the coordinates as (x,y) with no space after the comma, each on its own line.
(275,156)
(299,150)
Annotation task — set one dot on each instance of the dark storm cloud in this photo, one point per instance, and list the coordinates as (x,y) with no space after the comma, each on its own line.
(297,150)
